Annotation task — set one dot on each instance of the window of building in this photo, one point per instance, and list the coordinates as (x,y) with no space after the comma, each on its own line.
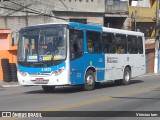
(141,3)
(84,21)
(94,42)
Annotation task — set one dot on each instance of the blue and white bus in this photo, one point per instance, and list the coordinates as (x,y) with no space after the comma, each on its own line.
(61,54)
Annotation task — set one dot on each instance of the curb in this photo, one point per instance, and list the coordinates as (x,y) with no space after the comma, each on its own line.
(6,86)
(9,84)
(149,74)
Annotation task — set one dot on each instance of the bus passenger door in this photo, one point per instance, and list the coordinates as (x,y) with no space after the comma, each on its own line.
(76,56)
(77,71)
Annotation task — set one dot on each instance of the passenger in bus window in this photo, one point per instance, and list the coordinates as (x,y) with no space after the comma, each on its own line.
(123,50)
(118,49)
(90,46)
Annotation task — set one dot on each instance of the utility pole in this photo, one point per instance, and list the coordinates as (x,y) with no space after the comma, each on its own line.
(134,20)
(157,39)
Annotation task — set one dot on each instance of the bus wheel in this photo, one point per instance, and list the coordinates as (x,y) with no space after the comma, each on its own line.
(126,76)
(89,81)
(118,82)
(97,84)
(48,88)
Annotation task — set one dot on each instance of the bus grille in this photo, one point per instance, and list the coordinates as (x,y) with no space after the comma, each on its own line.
(39,74)
(38,65)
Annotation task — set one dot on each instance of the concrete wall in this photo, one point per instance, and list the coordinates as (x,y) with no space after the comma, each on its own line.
(143,14)
(15,23)
(92,18)
(47,6)
(80,5)
(116,6)
(10,19)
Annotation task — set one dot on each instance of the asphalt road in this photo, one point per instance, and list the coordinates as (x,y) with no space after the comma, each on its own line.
(143,94)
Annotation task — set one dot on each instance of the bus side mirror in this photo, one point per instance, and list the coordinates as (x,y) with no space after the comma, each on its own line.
(12,41)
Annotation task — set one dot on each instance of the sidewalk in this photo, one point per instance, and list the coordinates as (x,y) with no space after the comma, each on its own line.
(149,74)
(9,84)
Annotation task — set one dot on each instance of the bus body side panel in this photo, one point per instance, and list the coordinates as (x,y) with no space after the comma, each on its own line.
(96,61)
(116,63)
(114,67)
(138,62)
(79,67)
(77,71)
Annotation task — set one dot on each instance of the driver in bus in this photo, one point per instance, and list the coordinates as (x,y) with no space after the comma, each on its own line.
(50,48)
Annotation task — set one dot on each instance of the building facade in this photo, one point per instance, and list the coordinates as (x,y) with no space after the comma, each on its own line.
(116,14)
(123,14)
(16,14)
(143,16)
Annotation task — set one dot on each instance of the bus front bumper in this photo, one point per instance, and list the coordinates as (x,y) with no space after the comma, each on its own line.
(61,79)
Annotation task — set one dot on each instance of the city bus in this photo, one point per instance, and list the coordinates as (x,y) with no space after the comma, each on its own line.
(71,54)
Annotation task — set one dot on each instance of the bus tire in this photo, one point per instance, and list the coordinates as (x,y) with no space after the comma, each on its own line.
(126,76)
(48,88)
(118,82)
(97,84)
(89,81)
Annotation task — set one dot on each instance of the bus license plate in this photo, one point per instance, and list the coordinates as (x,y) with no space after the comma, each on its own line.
(39,80)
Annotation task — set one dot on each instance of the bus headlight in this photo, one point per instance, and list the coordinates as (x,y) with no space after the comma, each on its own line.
(58,72)
(22,73)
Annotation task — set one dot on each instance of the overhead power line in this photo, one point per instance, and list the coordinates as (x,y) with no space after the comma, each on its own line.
(31,11)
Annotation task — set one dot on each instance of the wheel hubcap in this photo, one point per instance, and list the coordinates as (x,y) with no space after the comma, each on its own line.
(127,76)
(89,80)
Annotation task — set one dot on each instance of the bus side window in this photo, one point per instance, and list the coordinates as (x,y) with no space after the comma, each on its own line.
(76,43)
(132,44)
(140,45)
(108,43)
(121,43)
(94,41)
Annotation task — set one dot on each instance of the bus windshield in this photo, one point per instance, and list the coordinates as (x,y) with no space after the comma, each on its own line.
(40,44)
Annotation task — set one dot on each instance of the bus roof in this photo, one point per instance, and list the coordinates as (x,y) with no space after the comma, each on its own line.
(85,26)
(45,24)
(92,27)
(120,31)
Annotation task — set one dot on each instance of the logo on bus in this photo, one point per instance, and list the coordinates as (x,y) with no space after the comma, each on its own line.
(112,60)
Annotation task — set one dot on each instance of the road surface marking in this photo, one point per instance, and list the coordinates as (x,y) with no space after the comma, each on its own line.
(103,99)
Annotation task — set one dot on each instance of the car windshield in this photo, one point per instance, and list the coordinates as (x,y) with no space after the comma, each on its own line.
(43,43)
